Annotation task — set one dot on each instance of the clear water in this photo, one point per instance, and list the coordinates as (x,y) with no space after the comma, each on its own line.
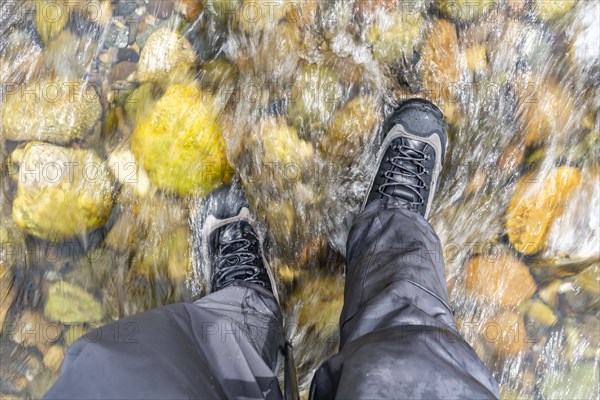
(301,90)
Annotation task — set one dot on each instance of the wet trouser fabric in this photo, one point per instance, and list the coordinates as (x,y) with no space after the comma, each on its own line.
(398,336)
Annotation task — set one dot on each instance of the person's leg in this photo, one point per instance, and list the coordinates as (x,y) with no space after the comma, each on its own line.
(398,336)
(226,345)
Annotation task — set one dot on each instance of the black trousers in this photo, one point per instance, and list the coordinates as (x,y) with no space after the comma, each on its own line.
(398,336)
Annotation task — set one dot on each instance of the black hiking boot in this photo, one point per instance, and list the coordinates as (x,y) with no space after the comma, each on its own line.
(231,245)
(411,156)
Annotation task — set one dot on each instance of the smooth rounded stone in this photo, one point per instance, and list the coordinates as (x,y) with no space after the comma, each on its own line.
(51,17)
(125,168)
(179,262)
(546,110)
(280,216)
(352,128)
(183,122)
(51,111)
(62,192)
(32,329)
(463,10)
(539,312)
(282,155)
(535,204)
(190,8)
(506,334)
(589,280)
(440,64)
(394,36)
(165,53)
(316,94)
(128,54)
(584,50)
(575,381)
(549,293)
(70,304)
(502,280)
(122,71)
(549,11)
(54,357)
(222,10)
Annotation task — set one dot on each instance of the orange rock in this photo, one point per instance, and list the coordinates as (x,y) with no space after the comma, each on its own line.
(504,281)
(545,109)
(506,334)
(532,210)
(440,61)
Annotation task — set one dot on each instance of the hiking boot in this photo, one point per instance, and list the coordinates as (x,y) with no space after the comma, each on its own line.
(231,245)
(411,156)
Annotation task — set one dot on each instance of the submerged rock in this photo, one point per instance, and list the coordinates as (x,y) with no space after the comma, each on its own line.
(165,54)
(394,36)
(580,381)
(507,335)
(546,110)
(463,10)
(549,11)
(316,94)
(180,143)
(351,129)
(535,205)
(503,280)
(51,110)
(54,357)
(71,304)
(62,192)
(440,63)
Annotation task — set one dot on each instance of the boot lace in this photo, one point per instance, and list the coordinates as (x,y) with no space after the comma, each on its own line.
(409,173)
(237,262)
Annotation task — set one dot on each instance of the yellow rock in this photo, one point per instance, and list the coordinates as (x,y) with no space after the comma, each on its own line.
(62,192)
(463,10)
(351,128)
(476,58)
(322,292)
(71,304)
(51,17)
(54,357)
(166,54)
(506,334)
(33,329)
(395,35)
(180,143)
(179,261)
(315,96)
(532,210)
(541,313)
(549,293)
(502,281)
(551,10)
(440,62)
(57,111)
(545,109)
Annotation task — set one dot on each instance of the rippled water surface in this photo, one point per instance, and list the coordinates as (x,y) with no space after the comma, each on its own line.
(119,116)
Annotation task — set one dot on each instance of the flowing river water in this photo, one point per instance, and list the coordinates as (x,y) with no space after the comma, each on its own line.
(119,116)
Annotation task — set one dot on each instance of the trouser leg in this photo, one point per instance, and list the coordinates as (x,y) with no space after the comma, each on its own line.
(226,345)
(398,336)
